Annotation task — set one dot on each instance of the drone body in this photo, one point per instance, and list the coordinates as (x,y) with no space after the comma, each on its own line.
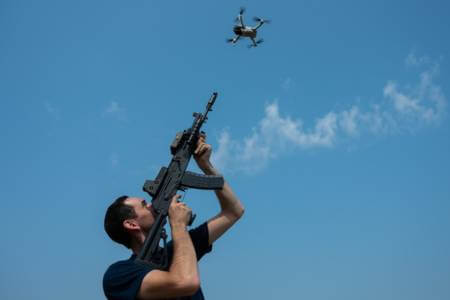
(247,31)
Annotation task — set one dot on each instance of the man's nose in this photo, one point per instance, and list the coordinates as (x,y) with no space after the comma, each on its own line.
(150,208)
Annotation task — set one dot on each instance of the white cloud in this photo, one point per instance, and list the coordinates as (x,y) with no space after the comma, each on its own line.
(52,111)
(287,83)
(249,155)
(413,60)
(275,134)
(348,121)
(426,102)
(114,110)
(114,159)
(402,103)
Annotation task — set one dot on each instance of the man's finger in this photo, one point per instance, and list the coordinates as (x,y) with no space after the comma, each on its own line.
(199,148)
(205,148)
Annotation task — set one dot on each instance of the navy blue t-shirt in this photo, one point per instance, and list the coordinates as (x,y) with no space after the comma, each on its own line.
(122,280)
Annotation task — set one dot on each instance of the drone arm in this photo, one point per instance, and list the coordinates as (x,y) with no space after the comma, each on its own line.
(234,40)
(241,20)
(259,25)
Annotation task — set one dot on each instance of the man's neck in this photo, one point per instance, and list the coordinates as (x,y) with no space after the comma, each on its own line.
(137,243)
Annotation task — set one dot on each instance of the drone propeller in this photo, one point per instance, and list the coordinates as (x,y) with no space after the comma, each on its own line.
(241,11)
(229,40)
(259,41)
(256,19)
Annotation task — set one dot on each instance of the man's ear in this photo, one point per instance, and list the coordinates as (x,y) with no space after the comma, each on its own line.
(131,224)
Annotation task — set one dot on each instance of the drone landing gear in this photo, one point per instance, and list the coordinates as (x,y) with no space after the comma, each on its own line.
(255,43)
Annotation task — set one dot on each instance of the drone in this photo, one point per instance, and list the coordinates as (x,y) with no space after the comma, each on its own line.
(247,31)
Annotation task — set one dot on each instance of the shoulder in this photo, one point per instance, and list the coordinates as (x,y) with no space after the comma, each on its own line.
(123,279)
(200,231)
(200,239)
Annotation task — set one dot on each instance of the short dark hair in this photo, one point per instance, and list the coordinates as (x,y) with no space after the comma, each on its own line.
(116,213)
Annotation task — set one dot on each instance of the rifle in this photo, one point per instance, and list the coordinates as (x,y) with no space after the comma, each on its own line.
(168,181)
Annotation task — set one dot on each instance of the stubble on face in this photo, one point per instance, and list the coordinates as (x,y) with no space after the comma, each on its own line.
(144,212)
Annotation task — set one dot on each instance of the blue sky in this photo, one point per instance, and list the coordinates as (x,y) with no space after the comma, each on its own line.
(334,134)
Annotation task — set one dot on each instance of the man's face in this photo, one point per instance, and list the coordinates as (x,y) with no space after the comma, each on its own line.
(144,212)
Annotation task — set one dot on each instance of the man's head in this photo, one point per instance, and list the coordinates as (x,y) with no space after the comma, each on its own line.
(128,218)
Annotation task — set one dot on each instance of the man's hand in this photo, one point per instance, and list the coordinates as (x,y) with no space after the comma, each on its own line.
(202,153)
(182,278)
(179,212)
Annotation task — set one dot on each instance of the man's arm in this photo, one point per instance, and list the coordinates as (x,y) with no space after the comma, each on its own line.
(231,208)
(182,278)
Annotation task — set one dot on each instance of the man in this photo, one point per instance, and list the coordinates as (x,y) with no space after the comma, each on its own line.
(128,221)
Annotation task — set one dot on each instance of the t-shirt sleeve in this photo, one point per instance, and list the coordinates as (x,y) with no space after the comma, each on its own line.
(123,279)
(200,240)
